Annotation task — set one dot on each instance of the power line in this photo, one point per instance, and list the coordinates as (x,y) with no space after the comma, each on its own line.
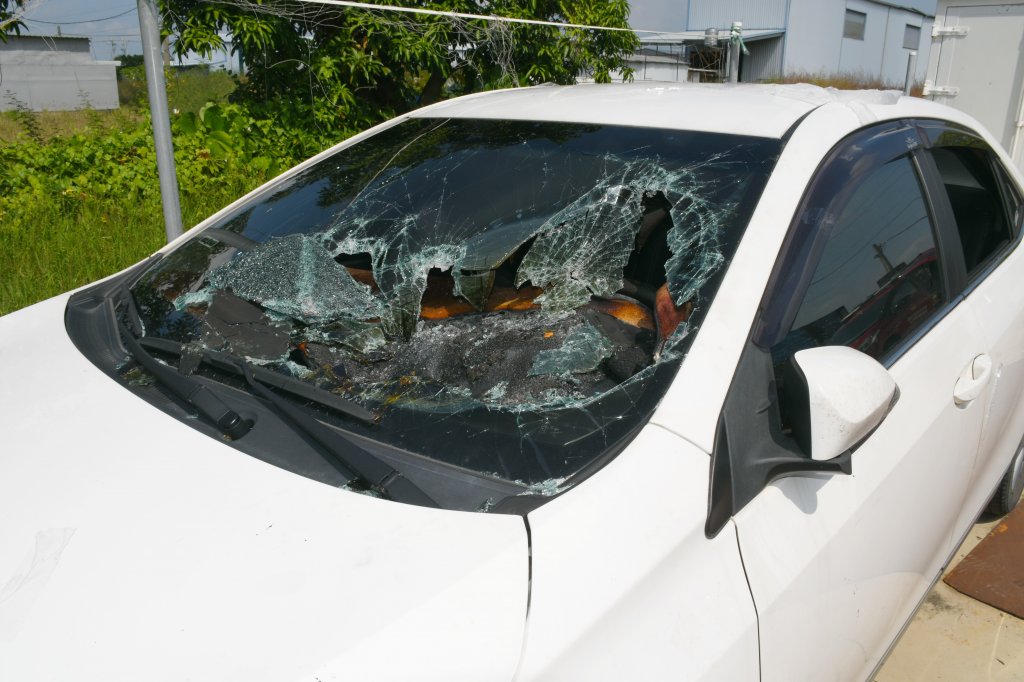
(483,17)
(83,21)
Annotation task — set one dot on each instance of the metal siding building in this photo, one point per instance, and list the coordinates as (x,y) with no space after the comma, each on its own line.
(804,36)
(54,73)
(755,14)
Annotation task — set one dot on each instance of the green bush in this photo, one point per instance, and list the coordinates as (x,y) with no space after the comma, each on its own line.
(80,207)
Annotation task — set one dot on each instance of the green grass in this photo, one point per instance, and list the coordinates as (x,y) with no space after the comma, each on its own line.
(55,249)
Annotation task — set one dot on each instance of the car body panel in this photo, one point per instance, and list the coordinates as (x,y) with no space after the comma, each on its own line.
(626,586)
(133,545)
(998,302)
(756,110)
(844,560)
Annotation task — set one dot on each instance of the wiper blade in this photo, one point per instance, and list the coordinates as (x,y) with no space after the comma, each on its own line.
(193,392)
(352,461)
(345,452)
(296,387)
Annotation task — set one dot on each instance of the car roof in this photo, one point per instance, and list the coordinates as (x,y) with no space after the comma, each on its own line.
(767,110)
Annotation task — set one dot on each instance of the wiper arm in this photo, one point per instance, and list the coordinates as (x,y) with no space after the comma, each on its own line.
(297,387)
(351,460)
(194,393)
(363,465)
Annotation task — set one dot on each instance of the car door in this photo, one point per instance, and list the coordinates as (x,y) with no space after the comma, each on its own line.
(985,211)
(836,563)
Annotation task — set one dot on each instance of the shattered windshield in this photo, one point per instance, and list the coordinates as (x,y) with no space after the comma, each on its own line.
(508,297)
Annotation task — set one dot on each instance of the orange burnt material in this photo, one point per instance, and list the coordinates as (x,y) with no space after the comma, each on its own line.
(668,314)
(364,277)
(509,298)
(629,312)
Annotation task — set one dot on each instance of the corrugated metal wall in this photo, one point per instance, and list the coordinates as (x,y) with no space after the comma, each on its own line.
(721,13)
(764,61)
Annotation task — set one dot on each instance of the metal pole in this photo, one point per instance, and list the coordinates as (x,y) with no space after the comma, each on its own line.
(911,72)
(734,53)
(157,89)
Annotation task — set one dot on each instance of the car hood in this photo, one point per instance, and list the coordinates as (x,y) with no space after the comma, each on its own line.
(133,546)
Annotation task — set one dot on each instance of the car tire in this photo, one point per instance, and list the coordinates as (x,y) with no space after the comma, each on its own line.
(1007,495)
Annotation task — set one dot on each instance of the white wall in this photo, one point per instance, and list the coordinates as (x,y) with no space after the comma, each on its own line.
(54,74)
(813,36)
(658,15)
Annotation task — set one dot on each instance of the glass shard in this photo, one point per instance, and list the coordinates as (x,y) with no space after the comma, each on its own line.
(297,277)
(583,350)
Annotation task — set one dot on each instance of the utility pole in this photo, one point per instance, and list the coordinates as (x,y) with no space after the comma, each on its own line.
(157,89)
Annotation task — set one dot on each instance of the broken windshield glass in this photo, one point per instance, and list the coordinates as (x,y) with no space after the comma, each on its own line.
(508,297)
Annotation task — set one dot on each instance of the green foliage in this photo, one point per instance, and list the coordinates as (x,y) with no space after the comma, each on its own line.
(24,116)
(191,89)
(10,18)
(344,68)
(81,206)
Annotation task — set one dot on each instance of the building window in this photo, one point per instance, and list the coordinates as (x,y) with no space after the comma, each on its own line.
(911,37)
(853,27)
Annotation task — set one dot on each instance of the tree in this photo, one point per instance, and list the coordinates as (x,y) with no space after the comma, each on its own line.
(11,12)
(357,66)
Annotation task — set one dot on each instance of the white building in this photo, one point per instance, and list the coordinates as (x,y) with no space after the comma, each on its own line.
(55,73)
(976,66)
(869,38)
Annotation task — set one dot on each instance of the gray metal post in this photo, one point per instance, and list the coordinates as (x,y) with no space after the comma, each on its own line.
(157,89)
(911,72)
(734,53)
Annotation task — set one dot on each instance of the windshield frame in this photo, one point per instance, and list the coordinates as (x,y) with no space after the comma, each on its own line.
(539,482)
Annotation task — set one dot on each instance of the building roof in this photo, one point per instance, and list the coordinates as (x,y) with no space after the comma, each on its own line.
(905,8)
(743,109)
(698,36)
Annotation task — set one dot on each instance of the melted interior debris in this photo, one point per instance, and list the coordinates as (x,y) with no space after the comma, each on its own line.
(447,267)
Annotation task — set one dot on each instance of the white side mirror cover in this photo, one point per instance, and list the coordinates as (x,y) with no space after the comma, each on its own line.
(848,394)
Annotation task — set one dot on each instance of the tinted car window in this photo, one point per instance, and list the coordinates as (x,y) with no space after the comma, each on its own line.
(878,279)
(978,206)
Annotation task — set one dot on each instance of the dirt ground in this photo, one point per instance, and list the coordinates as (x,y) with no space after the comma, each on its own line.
(955,638)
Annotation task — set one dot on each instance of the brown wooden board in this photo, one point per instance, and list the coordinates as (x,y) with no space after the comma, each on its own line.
(993,572)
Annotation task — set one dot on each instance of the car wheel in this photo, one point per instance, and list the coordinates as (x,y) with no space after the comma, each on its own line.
(1010,488)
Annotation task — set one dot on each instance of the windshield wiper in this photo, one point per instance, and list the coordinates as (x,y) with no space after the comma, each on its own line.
(352,461)
(193,392)
(297,387)
(361,464)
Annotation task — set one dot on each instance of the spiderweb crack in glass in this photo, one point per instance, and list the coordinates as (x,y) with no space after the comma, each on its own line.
(489,286)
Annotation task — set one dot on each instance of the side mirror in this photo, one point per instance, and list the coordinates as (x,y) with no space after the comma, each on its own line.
(839,396)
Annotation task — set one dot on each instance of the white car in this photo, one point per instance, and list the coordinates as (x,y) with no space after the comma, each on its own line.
(587,383)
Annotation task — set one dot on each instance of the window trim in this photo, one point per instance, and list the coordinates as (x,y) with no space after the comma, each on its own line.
(835,179)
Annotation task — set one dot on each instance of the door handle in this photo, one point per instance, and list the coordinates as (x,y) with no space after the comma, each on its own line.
(972,380)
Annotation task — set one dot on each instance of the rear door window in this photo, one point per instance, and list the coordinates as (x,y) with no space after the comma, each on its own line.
(977,202)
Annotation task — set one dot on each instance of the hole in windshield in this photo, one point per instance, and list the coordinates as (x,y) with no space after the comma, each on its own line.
(509,297)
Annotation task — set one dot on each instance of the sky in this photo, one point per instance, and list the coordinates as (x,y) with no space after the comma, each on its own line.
(113,25)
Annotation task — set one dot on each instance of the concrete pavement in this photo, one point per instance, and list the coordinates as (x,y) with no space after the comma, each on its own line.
(955,638)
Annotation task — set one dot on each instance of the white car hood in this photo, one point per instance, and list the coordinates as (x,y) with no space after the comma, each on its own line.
(134,547)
